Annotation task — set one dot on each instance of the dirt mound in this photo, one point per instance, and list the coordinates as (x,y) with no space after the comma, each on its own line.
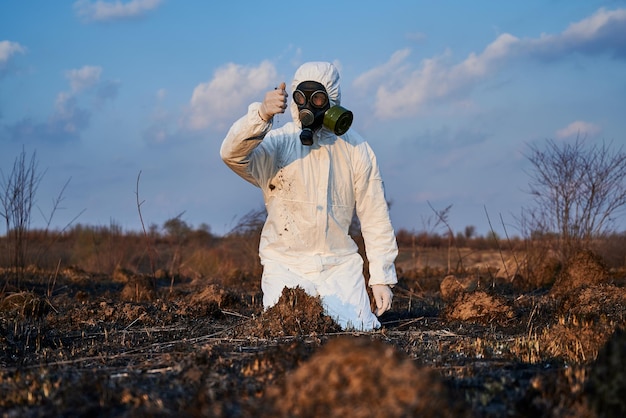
(359,377)
(214,293)
(208,302)
(451,286)
(479,307)
(594,303)
(584,269)
(295,314)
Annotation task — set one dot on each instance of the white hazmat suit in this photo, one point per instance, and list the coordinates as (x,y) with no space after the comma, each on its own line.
(310,194)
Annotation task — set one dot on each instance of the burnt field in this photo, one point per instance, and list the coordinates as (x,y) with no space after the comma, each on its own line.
(74,343)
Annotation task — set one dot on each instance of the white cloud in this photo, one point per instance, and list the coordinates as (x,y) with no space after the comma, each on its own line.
(7,50)
(68,116)
(68,119)
(83,78)
(395,66)
(605,29)
(105,10)
(578,128)
(404,89)
(602,32)
(232,87)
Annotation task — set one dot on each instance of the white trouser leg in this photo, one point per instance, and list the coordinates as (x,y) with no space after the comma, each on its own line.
(341,288)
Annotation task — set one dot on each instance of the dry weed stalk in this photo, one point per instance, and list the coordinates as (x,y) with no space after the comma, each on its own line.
(151,250)
(442,217)
(495,237)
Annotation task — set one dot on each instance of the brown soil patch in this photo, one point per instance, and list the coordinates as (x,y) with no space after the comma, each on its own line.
(451,286)
(584,269)
(360,377)
(594,303)
(296,313)
(479,307)
(216,294)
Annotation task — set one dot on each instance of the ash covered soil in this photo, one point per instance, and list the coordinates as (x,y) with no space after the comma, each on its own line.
(80,344)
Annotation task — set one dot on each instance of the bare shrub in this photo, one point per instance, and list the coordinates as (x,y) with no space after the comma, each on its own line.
(17,198)
(578,189)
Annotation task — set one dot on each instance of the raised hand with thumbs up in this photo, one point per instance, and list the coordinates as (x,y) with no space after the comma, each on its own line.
(275,101)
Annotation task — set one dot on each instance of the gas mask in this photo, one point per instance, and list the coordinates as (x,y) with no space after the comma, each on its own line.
(315,111)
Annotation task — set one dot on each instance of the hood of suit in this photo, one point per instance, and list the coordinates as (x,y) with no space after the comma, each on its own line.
(324,73)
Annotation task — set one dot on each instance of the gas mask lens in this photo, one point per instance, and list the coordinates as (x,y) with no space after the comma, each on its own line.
(299,98)
(317,99)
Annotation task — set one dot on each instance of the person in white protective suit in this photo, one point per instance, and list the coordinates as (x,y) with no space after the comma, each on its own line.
(314,173)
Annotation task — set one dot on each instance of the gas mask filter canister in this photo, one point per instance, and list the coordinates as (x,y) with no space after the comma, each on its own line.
(338,119)
(314,111)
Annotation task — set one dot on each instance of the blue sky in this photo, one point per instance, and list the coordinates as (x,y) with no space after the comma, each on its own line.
(449,94)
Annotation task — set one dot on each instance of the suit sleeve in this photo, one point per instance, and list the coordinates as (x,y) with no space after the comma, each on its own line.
(372,209)
(242,139)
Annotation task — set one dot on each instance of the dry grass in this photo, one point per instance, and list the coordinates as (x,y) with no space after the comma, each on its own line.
(129,343)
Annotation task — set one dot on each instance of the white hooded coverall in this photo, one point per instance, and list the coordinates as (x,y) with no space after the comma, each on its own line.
(310,194)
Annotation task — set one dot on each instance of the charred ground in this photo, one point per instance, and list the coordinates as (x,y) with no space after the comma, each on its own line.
(74,343)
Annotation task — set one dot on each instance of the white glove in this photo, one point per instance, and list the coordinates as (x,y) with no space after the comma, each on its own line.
(383,297)
(275,101)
